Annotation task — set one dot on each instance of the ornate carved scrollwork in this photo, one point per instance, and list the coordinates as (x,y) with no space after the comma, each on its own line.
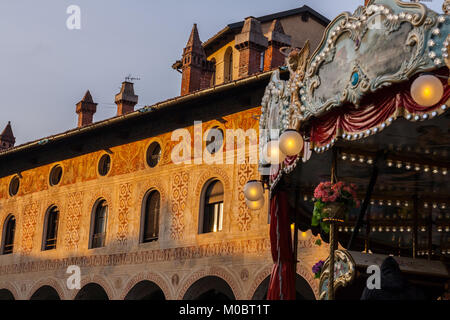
(388,41)
(447,60)
(446,7)
(297,62)
(344,272)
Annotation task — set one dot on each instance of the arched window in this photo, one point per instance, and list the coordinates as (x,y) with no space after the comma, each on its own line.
(228,65)
(212,208)
(150,217)
(50,229)
(98,224)
(262,61)
(9,230)
(213,73)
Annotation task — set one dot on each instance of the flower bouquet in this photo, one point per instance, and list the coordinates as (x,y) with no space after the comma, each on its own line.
(317,269)
(332,203)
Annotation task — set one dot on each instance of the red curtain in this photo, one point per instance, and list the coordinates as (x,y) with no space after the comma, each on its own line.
(282,280)
(380,108)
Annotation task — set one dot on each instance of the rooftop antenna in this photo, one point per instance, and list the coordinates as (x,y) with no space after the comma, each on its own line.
(130,78)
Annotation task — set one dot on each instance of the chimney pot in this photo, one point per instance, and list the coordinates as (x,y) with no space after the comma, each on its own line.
(85,110)
(126,100)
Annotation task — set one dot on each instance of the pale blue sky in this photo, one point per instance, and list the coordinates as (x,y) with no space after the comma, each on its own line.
(45,68)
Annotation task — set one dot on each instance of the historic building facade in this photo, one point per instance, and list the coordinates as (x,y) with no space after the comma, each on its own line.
(107,196)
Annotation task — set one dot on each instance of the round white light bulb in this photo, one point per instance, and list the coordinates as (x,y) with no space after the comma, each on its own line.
(427,90)
(291,143)
(253,190)
(255,205)
(272,153)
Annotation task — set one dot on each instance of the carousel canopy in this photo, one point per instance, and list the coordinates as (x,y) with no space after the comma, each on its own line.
(358,82)
(353,103)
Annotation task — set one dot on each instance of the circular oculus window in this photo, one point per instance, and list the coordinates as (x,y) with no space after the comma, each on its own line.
(55,175)
(14,186)
(104,165)
(153,154)
(214,140)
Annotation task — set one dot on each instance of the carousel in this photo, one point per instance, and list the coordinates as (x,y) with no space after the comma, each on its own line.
(355,146)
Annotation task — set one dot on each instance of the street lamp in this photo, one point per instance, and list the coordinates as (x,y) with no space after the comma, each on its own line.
(427,90)
(291,143)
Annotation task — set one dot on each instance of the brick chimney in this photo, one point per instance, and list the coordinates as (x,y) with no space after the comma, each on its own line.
(277,39)
(251,44)
(7,139)
(85,110)
(126,99)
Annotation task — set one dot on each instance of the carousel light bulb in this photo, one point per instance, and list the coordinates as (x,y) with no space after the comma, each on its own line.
(408,229)
(399,165)
(255,205)
(272,153)
(406,204)
(344,157)
(439,229)
(394,229)
(305,198)
(353,159)
(402,229)
(408,166)
(291,143)
(444,172)
(423,229)
(443,206)
(427,90)
(417,167)
(447,229)
(426,169)
(374,229)
(435,205)
(253,190)
(390,164)
(380,229)
(388,229)
(435,170)
(425,205)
